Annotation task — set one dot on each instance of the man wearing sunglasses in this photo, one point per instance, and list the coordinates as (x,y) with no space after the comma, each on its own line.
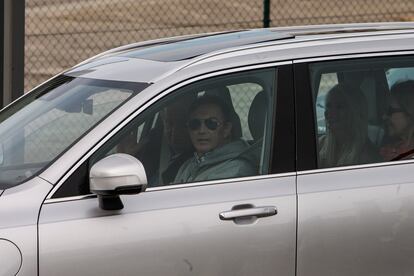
(216,155)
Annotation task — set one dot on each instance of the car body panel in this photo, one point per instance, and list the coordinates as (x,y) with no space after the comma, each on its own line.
(310,49)
(356,221)
(24,202)
(173,232)
(11,258)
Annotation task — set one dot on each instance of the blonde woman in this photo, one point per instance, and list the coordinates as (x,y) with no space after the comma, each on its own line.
(346,141)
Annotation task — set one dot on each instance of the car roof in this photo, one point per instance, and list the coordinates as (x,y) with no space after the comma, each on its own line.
(187,47)
(194,47)
(163,56)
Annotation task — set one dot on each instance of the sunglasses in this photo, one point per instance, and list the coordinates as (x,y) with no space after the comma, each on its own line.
(210,123)
(391,110)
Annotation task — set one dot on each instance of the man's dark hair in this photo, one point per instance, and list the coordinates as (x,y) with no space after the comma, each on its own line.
(214,100)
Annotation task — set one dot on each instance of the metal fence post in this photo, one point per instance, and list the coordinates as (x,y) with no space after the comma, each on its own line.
(12,59)
(266,13)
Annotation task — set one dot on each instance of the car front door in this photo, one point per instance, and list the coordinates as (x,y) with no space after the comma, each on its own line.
(217,225)
(355,201)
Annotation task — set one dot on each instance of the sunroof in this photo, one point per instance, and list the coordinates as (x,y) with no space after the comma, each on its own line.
(194,47)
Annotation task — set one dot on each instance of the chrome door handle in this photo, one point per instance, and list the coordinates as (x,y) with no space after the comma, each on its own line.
(264,211)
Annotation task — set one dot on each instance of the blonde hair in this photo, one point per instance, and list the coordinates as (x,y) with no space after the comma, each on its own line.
(347,149)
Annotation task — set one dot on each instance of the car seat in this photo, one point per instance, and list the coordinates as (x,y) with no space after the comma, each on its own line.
(257,116)
(257,121)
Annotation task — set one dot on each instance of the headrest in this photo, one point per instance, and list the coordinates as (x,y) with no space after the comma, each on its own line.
(257,115)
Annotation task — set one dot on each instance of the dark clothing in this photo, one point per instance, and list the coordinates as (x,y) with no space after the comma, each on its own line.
(391,151)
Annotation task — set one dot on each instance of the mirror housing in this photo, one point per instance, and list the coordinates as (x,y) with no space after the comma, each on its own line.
(114,175)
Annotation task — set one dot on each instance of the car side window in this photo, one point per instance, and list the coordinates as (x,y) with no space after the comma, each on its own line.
(217,128)
(364,110)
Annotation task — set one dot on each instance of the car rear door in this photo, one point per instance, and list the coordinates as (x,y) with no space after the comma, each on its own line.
(232,226)
(353,218)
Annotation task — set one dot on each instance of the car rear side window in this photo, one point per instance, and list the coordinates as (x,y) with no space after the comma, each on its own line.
(364,110)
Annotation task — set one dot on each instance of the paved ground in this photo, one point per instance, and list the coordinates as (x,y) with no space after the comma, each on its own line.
(60,33)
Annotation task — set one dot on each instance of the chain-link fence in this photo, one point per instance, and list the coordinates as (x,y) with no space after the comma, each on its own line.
(61,33)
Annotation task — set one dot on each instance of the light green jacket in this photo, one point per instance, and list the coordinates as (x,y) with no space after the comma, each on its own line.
(220,163)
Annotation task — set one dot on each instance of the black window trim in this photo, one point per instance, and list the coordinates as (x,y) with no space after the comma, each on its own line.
(283,149)
(305,123)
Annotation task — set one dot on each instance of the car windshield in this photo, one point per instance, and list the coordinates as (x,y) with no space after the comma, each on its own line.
(39,127)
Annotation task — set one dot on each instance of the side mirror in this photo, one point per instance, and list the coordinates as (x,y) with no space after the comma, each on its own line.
(114,175)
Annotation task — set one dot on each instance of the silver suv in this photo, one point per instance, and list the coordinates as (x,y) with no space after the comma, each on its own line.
(282,151)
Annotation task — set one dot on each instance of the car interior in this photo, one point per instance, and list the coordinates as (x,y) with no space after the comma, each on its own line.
(373,77)
(245,97)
